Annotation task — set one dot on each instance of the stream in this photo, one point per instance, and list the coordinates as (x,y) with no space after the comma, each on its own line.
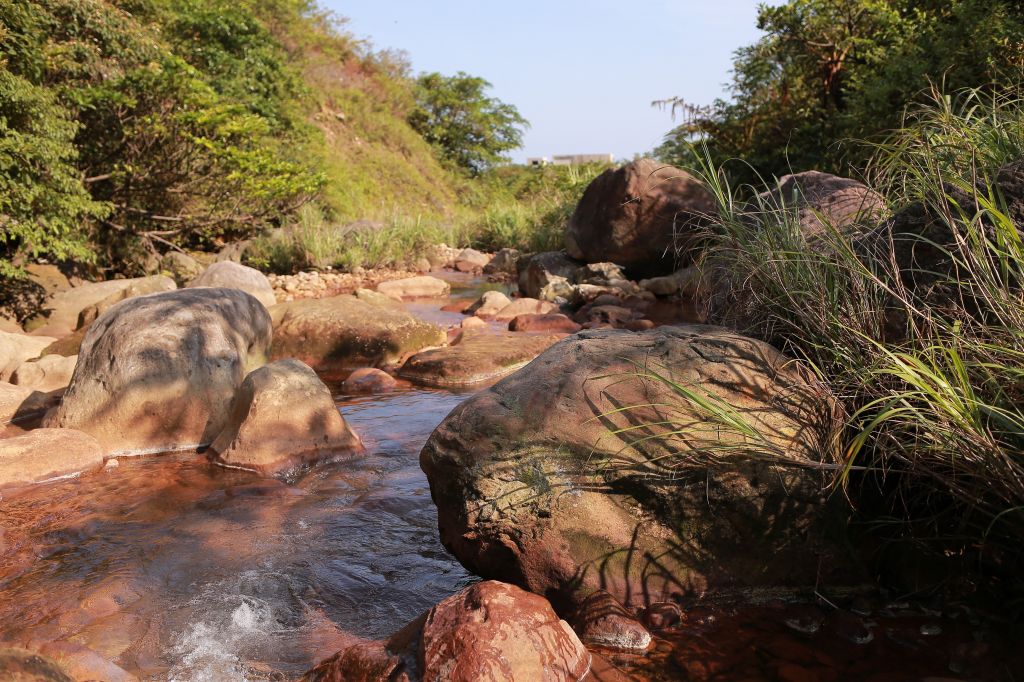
(176,569)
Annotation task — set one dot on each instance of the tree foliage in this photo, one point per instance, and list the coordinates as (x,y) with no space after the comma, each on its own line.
(827,71)
(470,130)
(162,127)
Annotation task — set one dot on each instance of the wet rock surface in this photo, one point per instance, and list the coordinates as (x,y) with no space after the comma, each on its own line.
(44,454)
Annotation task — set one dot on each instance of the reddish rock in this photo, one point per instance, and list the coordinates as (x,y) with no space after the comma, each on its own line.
(602,621)
(663,615)
(21,404)
(457,306)
(495,631)
(639,325)
(552,322)
(48,373)
(535,478)
(18,665)
(368,380)
(361,662)
(473,323)
(629,215)
(613,315)
(42,454)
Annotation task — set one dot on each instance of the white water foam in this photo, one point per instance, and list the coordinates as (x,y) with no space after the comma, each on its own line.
(212,650)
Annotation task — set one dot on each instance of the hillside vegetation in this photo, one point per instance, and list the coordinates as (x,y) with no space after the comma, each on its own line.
(130,127)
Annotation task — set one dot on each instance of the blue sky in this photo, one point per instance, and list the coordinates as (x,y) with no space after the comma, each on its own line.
(583,72)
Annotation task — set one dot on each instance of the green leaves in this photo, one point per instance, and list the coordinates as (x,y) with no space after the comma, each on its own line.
(470,130)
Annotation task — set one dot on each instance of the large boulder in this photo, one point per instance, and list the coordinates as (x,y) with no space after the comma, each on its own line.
(494,631)
(62,310)
(479,357)
(524,306)
(583,470)
(47,373)
(16,348)
(230,275)
(423,286)
(43,454)
(816,196)
(136,287)
(546,275)
(159,372)
(282,416)
(338,334)
(636,216)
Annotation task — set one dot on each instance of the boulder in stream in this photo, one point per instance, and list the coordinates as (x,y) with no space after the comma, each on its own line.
(583,470)
(422,286)
(159,372)
(338,334)
(282,416)
(230,275)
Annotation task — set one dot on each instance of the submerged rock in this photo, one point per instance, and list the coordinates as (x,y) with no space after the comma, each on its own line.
(478,358)
(601,621)
(636,216)
(282,416)
(550,480)
(230,275)
(158,372)
(368,380)
(338,334)
(42,454)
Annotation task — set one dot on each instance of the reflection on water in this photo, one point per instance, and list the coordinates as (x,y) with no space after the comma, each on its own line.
(177,569)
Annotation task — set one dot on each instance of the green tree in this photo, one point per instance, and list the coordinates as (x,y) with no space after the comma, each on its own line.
(828,71)
(470,130)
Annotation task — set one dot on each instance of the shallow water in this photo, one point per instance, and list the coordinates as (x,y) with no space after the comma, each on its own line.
(177,569)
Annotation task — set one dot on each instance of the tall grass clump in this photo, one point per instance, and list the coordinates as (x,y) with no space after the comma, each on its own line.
(916,322)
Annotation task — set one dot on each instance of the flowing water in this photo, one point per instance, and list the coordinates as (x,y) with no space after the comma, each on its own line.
(178,569)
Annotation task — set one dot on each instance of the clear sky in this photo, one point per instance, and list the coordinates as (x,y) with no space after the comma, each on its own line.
(583,72)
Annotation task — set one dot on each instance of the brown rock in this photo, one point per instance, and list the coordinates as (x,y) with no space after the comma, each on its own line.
(282,416)
(524,306)
(42,454)
(136,287)
(423,286)
(471,260)
(48,276)
(479,357)
(361,662)
(473,323)
(544,480)
(180,266)
(85,664)
(376,298)
(627,215)
(639,325)
(551,322)
(341,333)
(158,372)
(489,304)
(230,275)
(504,262)
(494,631)
(614,315)
(16,348)
(815,195)
(18,665)
(602,621)
(64,307)
(550,272)
(368,380)
(48,373)
(20,404)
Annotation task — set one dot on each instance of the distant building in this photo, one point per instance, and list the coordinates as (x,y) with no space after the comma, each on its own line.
(537,161)
(580,159)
